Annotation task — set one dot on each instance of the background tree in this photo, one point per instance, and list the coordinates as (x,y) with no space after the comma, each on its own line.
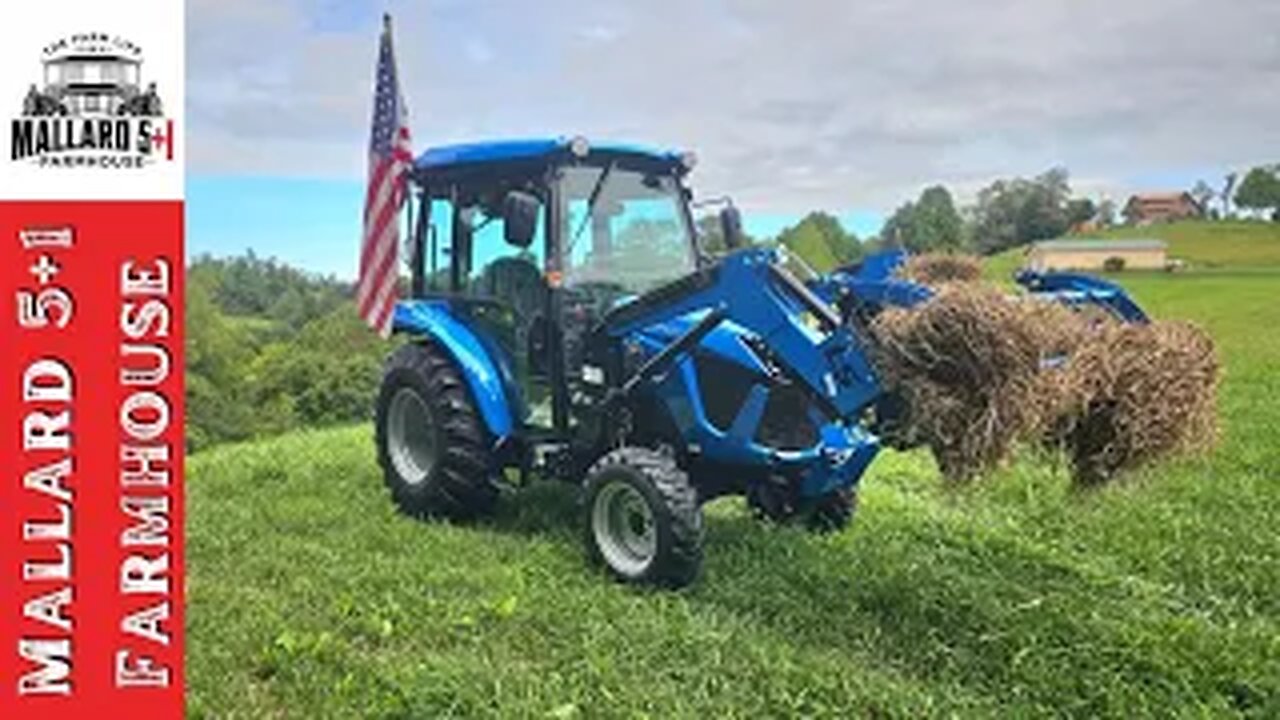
(1228,184)
(995,222)
(711,235)
(1203,195)
(271,348)
(1044,211)
(821,241)
(1106,212)
(1260,190)
(1081,210)
(1041,215)
(929,224)
(1018,211)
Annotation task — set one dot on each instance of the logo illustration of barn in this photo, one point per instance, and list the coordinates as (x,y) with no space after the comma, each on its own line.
(88,75)
(92,108)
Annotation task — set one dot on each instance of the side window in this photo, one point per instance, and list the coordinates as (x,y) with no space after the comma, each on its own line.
(439,245)
(497,268)
(489,266)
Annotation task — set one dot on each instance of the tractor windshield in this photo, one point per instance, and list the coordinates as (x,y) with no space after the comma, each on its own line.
(623,228)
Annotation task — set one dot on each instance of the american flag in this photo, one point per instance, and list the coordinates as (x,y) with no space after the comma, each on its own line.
(389,162)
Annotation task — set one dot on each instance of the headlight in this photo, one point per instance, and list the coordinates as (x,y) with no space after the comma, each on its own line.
(579,146)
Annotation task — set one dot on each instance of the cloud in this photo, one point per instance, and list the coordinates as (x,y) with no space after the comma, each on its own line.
(790,106)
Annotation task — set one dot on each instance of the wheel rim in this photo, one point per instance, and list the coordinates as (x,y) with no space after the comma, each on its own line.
(411,440)
(623,526)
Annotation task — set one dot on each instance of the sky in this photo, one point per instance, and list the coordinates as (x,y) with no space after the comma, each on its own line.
(851,108)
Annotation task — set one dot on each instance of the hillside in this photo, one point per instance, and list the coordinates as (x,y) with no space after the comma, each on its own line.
(1214,244)
(1238,245)
(309,596)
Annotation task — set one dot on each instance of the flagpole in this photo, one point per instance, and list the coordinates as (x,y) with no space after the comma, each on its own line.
(391,162)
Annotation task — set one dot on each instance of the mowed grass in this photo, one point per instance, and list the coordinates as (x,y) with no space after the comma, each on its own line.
(309,596)
(1206,244)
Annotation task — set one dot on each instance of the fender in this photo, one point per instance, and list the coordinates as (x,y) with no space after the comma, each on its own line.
(484,374)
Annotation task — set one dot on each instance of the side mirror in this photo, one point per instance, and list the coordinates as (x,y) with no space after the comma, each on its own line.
(520,217)
(731,227)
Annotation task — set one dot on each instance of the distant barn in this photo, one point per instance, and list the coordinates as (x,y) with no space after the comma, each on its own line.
(1085,254)
(1147,208)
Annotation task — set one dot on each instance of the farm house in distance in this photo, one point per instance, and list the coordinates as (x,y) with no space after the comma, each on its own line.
(1095,254)
(1147,208)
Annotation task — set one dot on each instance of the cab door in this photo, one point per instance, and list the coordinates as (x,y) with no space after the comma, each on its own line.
(497,287)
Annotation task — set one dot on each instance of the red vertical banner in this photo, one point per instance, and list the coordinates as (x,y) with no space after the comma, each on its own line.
(91,360)
(92,435)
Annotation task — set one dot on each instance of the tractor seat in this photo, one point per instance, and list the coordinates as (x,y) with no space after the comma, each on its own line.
(517,282)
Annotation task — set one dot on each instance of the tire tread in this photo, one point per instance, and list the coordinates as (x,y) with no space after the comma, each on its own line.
(681,563)
(461,487)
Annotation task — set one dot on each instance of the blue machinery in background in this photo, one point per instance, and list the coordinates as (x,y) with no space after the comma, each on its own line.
(1077,290)
(874,283)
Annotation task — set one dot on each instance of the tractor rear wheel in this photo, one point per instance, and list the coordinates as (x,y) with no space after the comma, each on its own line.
(432,445)
(643,518)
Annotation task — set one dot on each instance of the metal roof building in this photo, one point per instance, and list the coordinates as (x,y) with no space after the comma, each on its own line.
(1097,254)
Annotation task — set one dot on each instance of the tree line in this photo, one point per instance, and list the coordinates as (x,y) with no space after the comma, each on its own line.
(271,348)
(1006,213)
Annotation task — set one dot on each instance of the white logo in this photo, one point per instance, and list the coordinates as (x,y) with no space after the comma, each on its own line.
(92,108)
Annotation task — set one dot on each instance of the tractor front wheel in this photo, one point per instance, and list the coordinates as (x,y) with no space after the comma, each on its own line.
(833,511)
(432,445)
(643,518)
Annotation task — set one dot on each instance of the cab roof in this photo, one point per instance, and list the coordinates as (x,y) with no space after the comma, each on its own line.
(447,157)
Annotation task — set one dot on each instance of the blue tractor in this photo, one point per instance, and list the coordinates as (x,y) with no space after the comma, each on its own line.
(565,321)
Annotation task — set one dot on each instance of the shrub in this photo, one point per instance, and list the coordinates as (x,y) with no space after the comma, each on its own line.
(1113,264)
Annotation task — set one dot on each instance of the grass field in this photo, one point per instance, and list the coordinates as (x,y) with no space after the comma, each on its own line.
(1241,243)
(1232,245)
(1160,596)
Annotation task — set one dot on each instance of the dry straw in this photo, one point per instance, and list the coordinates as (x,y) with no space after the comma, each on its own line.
(966,367)
(939,268)
(1134,393)
(976,371)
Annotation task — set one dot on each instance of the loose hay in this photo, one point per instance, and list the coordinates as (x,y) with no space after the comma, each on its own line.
(965,367)
(1134,393)
(973,372)
(939,268)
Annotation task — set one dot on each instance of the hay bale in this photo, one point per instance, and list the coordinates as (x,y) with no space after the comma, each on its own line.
(973,371)
(1134,393)
(941,268)
(965,365)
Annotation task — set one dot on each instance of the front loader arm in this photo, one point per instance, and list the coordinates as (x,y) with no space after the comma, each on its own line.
(1076,289)
(795,328)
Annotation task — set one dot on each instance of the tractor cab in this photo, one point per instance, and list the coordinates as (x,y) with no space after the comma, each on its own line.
(531,242)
